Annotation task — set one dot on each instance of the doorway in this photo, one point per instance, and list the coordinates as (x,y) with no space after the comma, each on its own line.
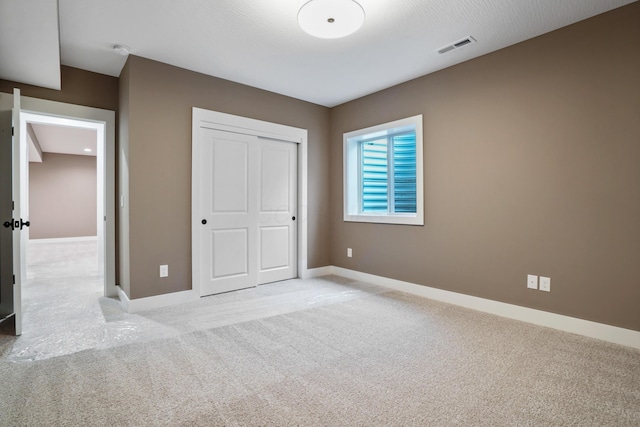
(103,122)
(65,184)
(60,143)
(35,110)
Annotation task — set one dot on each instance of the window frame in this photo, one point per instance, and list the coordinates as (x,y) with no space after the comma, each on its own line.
(352,173)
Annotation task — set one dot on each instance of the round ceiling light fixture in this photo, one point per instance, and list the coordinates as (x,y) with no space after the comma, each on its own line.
(330,19)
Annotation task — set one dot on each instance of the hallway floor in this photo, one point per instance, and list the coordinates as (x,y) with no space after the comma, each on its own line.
(62,304)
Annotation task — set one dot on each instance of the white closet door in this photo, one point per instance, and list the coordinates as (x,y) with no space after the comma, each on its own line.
(277,211)
(228,243)
(248,197)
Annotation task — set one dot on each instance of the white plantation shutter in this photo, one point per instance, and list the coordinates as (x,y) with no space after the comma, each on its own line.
(375,176)
(388,174)
(404,173)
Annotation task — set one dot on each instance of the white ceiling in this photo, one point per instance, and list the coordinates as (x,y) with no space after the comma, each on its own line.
(62,140)
(258,42)
(29,42)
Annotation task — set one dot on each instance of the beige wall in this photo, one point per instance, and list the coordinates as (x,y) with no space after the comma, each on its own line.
(63,196)
(531,167)
(531,158)
(79,87)
(158,107)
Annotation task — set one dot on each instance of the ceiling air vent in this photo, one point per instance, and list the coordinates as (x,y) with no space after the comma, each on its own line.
(456,45)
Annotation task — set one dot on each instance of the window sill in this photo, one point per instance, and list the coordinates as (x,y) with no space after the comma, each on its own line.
(398,219)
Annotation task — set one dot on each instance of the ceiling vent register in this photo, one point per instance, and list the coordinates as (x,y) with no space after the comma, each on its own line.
(456,45)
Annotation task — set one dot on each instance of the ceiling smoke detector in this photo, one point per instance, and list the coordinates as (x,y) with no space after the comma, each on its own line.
(121,49)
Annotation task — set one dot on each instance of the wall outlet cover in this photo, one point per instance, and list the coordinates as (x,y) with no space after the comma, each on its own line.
(545,284)
(532,281)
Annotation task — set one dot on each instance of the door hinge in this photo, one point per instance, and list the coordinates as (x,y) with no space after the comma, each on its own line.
(11,130)
(14,279)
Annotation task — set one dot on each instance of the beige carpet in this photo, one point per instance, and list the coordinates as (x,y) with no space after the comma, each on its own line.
(325,352)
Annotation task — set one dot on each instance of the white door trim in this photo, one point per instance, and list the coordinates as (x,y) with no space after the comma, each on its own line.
(78,114)
(99,127)
(20,195)
(231,123)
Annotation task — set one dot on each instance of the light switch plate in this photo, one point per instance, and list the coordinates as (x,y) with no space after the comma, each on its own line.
(164,271)
(545,284)
(532,281)
(349,252)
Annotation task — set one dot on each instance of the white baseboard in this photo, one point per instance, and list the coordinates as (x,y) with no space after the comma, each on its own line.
(158,301)
(317,272)
(614,334)
(65,239)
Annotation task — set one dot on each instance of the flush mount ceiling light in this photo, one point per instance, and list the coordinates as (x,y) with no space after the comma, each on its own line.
(330,19)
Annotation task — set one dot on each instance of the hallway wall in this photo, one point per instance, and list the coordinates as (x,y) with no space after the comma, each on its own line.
(62,196)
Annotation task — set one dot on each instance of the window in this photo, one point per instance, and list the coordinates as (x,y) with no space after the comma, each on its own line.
(383,173)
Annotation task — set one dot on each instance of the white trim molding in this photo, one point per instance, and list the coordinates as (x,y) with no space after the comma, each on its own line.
(613,334)
(587,328)
(157,301)
(104,123)
(174,298)
(65,239)
(316,272)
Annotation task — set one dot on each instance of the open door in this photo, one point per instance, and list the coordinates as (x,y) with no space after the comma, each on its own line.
(14,217)
(7,316)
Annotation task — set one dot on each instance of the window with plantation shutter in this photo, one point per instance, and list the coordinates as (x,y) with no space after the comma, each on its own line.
(383,173)
(389,174)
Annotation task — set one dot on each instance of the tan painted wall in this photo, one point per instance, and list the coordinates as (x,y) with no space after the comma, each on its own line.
(532,166)
(63,196)
(78,87)
(531,158)
(160,101)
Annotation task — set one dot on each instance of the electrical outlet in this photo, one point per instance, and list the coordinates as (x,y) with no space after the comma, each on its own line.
(164,271)
(545,284)
(532,281)
(349,252)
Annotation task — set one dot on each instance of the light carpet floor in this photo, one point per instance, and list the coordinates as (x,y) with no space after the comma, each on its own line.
(326,351)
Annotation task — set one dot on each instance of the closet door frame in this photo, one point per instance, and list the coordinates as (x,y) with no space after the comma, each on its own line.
(263,130)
